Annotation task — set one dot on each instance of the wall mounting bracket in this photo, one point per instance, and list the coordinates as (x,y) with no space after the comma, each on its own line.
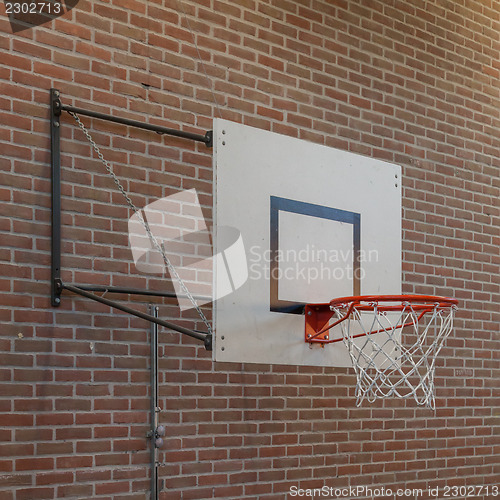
(57,285)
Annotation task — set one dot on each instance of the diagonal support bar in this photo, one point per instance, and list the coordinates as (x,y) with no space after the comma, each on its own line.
(206,338)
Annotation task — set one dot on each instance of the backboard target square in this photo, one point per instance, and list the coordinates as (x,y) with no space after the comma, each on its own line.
(304,262)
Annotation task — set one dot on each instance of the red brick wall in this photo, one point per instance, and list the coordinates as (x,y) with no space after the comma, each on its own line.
(412,82)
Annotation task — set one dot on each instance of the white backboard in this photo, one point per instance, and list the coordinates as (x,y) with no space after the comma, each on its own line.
(316,223)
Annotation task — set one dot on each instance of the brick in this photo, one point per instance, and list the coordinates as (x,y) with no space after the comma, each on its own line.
(74,462)
(29,493)
(10,450)
(114,487)
(30,464)
(112,459)
(16,480)
(75,490)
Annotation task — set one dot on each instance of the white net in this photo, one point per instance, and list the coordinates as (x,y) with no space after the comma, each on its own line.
(393,350)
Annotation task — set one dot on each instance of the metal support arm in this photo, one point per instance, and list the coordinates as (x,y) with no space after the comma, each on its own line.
(206,139)
(137,291)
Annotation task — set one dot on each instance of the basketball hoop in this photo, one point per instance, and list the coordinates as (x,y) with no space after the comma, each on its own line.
(392,340)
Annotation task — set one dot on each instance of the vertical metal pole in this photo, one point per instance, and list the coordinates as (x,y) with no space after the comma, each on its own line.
(153,310)
(55,160)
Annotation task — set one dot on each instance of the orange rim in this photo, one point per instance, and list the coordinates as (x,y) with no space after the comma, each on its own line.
(422,303)
(418,302)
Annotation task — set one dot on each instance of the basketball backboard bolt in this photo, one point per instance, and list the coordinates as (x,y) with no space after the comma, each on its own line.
(58,286)
(57,107)
(208,342)
(209,138)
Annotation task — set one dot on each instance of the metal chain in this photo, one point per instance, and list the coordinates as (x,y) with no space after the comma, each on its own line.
(143,222)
